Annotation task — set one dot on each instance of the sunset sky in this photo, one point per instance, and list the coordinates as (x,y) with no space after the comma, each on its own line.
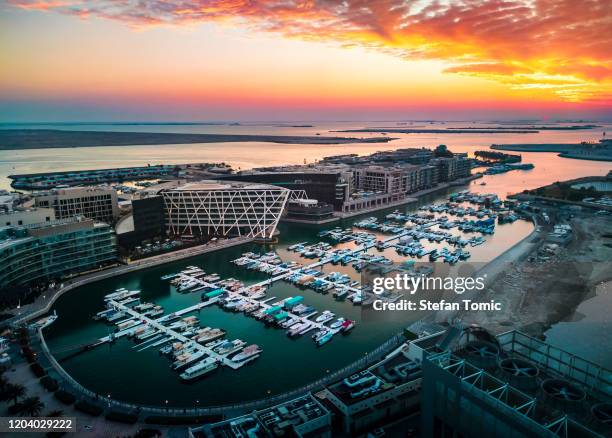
(304,60)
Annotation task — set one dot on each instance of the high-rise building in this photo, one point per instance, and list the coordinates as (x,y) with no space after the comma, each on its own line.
(98,203)
(53,250)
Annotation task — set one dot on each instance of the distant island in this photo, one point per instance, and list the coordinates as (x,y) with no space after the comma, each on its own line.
(539,128)
(442,131)
(509,128)
(57,138)
(601,151)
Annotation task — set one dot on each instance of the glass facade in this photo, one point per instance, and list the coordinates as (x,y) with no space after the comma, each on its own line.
(44,253)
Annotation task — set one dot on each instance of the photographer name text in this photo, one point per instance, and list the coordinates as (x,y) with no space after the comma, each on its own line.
(409,305)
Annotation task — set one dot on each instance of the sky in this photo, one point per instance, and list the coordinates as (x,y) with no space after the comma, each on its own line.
(248,60)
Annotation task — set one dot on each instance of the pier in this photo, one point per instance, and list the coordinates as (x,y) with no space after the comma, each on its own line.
(174,335)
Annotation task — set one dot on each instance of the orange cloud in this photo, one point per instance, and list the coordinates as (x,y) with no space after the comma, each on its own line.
(548,44)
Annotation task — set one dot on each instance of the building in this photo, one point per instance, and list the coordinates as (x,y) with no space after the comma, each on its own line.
(8,200)
(98,203)
(309,210)
(49,180)
(405,155)
(326,184)
(512,385)
(377,395)
(26,217)
(301,417)
(145,223)
(450,169)
(207,209)
(54,250)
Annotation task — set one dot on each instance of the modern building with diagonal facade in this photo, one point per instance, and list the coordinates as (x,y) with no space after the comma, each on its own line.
(208,209)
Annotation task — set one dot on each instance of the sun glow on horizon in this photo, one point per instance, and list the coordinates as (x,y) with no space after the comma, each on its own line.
(272,57)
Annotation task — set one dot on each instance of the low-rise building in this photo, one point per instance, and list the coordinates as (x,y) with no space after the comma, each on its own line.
(54,250)
(26,217)
(206,209)
(385,391)
(450,169)
(98,203)
(301,417)
(309,210)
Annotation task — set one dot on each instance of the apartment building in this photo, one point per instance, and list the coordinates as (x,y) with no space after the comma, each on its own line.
(98,203)
(55,249)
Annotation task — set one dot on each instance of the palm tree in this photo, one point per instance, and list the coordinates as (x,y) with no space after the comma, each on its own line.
(31,406)
(13,391)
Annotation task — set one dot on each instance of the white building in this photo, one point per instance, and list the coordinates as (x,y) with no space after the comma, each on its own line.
(223,209)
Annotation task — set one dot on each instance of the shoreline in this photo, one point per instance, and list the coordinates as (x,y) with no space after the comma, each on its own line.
(19,139)
(564,150)
(41,305)
(412,199)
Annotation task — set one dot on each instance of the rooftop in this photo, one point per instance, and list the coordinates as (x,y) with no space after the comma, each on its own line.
(394,370)
(278,419)
(544,386)
(210,185)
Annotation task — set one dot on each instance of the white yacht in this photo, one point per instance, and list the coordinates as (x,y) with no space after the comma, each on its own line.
(199,369)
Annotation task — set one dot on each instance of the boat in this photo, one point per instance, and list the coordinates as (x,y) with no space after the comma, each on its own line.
(46,322)
(340,294)
(347,325)
(156,311)
(187,284)
(121,294)
(210,334)
(325,339)
(324,317)
(247,353)
(187,358)
(204,367)
(115,316)
(228,347)
(289,322)
(337,323)
(296,329)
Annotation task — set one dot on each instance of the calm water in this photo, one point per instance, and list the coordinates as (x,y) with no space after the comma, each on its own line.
(255,154)
(146,377)
(284,364)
